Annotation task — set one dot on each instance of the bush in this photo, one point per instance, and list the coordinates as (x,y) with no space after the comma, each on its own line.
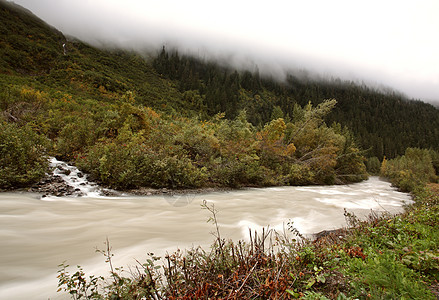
(300,175)
(22,156)
(411,170)
(75,136)
(239,170)
(373,165)
(132,160)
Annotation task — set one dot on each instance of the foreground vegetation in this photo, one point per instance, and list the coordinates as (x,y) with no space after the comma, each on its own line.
(382,257)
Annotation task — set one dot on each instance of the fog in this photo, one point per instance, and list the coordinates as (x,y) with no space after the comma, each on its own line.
(390,43)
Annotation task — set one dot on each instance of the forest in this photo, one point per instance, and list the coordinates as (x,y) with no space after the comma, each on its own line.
(384,121)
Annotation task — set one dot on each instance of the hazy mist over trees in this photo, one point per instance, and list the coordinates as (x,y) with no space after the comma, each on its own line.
(389,44)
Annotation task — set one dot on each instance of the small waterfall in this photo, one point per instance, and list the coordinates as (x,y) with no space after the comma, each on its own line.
(72,181)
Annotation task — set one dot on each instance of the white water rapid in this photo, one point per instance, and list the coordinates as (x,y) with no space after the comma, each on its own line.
(37,234)
(74,178)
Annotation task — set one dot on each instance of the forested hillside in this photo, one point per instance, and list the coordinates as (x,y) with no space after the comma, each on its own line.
(384,122)
(176,121)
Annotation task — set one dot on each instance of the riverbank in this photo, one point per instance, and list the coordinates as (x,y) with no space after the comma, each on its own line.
(54,185)
(67,180)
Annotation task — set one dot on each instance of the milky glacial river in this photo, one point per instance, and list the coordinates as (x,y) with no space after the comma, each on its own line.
(37,234)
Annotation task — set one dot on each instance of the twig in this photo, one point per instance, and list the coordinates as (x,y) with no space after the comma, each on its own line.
(245,280)
(109,255)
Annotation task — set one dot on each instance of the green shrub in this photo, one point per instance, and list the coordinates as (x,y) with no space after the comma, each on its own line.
(373,165)
(239,170)
(411,170)
(75,136)
(300,175)
(133,160)
(22,156)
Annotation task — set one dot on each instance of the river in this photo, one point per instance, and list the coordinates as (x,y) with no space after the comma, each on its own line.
(37,234)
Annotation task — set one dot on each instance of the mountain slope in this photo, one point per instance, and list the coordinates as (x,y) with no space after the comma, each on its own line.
(40,55)
(27,45)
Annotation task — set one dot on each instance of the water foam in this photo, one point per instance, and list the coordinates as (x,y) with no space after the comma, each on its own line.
(75,179)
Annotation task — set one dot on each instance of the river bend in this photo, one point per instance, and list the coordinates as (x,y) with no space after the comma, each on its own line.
(38,233)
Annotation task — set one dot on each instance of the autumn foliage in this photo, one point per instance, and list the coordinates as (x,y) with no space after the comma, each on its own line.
(145,148)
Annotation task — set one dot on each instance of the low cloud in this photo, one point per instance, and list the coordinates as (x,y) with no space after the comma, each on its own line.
(391,43)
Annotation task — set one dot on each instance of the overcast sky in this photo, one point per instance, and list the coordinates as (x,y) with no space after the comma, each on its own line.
(389,42)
